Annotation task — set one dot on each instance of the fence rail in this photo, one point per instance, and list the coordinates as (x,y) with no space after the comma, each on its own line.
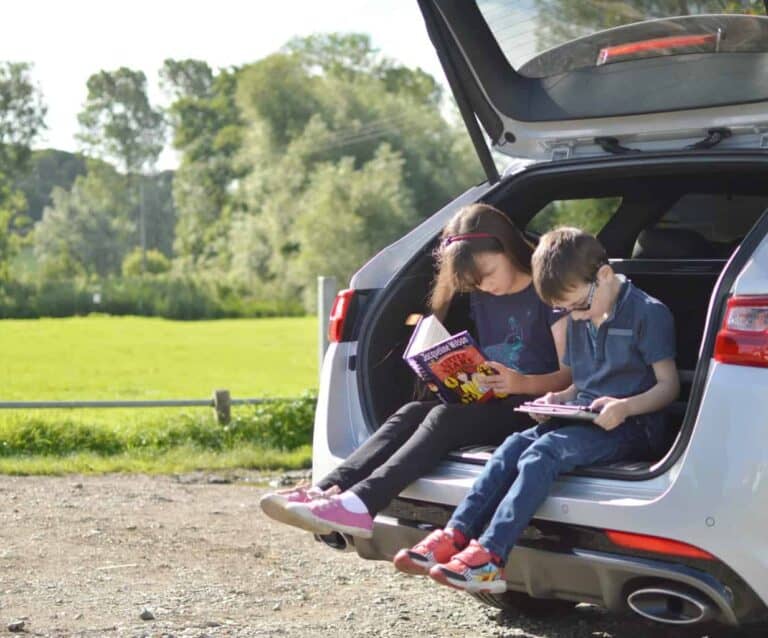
(221,402)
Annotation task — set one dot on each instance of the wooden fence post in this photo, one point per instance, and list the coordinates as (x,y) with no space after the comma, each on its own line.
(222,404)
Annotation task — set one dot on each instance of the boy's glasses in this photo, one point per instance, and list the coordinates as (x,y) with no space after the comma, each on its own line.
(581,306)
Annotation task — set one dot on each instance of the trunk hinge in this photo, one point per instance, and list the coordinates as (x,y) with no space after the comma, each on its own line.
(713,138)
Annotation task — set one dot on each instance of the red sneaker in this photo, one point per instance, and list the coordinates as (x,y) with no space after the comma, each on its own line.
(436,548)
(473,570)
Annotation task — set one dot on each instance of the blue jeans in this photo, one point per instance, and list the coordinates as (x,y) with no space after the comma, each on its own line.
(517,478)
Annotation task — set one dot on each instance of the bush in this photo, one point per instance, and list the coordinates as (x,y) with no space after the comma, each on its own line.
(160,295)
(156,263)
(283,423)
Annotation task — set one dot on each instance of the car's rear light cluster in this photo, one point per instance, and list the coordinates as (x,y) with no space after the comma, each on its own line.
(339,312)
(656,545)
(656,45)
(743,337)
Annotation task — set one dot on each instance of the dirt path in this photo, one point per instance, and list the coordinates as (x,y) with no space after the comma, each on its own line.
(86,556)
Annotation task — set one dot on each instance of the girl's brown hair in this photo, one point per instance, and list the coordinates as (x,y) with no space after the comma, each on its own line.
(475,229)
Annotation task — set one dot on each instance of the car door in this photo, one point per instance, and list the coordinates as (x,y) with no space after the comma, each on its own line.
(672,83)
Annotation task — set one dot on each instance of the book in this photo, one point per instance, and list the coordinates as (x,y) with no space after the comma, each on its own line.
(564,410)
(448,364)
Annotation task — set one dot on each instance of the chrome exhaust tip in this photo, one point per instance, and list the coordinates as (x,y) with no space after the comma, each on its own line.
(337,540)
(671,604)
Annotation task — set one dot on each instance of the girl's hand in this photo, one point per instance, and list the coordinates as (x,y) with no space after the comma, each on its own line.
(507,381)
(613,412)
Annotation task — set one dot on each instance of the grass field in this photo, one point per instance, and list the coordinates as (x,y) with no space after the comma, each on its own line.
(103,358)
(149,358)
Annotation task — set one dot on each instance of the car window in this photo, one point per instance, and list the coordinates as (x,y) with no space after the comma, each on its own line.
(701,226)
(541,38)
(588,214)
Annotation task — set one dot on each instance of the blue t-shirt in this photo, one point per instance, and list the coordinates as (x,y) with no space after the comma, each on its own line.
(516,330)
(617,360)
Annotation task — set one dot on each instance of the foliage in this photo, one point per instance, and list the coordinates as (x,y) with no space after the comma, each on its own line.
(329,124)
(285,424)
(118,121)
(588,214)
(22,116)
(164,295)
(153,263)
(88,229)
(207,131)
(47,169)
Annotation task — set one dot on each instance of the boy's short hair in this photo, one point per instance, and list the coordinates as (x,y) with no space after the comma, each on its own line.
(563,259)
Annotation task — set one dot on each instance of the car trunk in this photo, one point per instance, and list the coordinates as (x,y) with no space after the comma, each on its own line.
(671,261)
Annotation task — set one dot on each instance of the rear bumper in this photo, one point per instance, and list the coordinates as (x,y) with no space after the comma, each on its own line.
(579,575)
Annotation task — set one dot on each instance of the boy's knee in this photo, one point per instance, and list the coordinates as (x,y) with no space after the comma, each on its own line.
(543,451)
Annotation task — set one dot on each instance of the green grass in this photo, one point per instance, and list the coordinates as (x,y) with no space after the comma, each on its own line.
(176,460)
(109,358)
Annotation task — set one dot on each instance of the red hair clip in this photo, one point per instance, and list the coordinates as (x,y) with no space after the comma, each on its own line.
(447,241)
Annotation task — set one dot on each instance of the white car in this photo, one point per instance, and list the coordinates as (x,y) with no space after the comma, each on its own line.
(660,128)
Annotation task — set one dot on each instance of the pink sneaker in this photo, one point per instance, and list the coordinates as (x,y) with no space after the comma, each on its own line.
(326,515)
(275,504)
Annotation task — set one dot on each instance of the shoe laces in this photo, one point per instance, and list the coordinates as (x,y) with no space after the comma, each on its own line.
(473,555)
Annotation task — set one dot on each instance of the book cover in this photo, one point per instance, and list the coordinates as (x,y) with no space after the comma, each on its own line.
(562,410)
(447,363)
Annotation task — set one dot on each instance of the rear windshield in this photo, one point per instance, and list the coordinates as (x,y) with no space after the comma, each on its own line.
(541,38)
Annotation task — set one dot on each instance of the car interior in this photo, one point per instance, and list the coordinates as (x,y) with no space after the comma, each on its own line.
(671,234)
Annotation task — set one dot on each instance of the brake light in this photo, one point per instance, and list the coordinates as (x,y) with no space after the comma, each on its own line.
(743,337)
(607,54)
(338,314)
(656,544)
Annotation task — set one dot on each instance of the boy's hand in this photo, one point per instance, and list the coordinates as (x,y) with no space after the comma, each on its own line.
(507,381)
(549,397)
(613,412)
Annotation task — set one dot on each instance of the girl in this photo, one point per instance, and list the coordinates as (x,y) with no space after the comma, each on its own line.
(481,252)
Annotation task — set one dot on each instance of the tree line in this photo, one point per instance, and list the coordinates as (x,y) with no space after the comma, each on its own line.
(305,162)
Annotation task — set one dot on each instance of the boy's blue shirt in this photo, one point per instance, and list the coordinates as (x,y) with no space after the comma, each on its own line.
(618,361)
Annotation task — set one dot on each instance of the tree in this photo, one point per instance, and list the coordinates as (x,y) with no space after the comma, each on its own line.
(207,130)
(318,121)
(118,123)
(22,119)
(22,116)
(87,230)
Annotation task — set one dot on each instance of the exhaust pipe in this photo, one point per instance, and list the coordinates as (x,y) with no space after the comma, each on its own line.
(337,541)
(671,604)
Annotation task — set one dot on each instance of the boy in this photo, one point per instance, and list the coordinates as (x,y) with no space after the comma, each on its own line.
(620,348)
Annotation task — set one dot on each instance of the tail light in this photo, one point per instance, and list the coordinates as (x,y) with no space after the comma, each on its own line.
(656,544)
(743,337)
(339,312)
(656,45)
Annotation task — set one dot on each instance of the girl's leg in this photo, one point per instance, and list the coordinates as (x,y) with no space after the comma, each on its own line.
(381,445)
(445,428)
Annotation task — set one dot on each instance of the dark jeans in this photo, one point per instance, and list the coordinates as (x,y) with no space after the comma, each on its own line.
(413,441)
(518,477)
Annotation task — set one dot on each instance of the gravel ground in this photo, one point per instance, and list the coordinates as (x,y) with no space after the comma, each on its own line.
(192,555)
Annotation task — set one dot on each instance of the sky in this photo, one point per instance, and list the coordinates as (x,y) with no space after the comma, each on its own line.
(69,40)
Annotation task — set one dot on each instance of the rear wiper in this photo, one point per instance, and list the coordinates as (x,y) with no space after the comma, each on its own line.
(713,138)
